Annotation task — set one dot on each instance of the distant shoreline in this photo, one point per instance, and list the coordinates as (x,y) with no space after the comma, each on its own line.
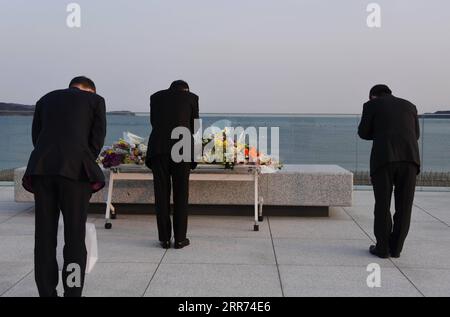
(121,113)
(436,115)
(130,113)
(29,113)
(12,109)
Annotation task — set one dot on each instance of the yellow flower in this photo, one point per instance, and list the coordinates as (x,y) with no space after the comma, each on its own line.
(218,143)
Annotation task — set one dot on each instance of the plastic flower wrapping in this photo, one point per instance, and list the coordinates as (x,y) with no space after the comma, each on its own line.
(131,149)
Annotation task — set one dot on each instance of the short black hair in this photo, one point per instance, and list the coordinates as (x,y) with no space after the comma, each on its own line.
(83,81)
(379,90)
(179,85)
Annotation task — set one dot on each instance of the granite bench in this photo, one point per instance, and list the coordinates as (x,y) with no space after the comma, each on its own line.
(296,189)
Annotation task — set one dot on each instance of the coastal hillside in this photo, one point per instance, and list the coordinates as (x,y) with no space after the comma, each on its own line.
(437,115)
(15,109)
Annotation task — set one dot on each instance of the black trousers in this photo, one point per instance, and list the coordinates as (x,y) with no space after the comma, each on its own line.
(54,194)
(168,174)
(390,234)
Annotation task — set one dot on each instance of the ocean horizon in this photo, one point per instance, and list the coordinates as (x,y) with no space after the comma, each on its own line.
(304,138)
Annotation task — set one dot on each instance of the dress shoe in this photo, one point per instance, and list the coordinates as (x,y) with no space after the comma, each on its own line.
(165,244)
(373,250)
(182,244)
(392,252)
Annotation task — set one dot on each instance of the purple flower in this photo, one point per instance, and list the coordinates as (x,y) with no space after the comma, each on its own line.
(112,160)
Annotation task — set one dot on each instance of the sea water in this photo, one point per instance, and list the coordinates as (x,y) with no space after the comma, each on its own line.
(304,139)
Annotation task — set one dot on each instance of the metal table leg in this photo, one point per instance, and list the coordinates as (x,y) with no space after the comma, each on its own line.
(256,226)
(108,224)
(261,203)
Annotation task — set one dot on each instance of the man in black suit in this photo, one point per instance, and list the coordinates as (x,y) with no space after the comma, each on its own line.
(68,132)
(392,123)
(169,109)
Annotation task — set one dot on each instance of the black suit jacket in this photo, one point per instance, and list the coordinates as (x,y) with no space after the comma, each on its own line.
(69,128)
(170,109)
(393,125)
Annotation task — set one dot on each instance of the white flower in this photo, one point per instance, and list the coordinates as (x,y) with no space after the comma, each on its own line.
(229,157)
(143,148)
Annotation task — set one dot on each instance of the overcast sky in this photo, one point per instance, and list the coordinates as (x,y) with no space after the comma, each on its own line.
(252,56)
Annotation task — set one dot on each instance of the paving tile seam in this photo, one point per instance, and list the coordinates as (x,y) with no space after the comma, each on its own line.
(128,262)
(191,263)
(410,281)
(16,235)
(412,239)
(253,264)
(359,226)
(395,265)
(403,267)
(220,263)
(276,258)
(318,239)
(426,268)
(274,238)
(232,237)
(14,285)
(364,266)
(431,215)
(11,217)
(353,219)
(153,275)
(135,236)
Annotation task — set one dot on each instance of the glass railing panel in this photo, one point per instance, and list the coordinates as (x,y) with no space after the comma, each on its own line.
(435,151)
(304,139)
(15,145)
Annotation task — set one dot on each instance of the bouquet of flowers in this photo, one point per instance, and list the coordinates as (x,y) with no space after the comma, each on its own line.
(128,150)
(223,149)
(218,148)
